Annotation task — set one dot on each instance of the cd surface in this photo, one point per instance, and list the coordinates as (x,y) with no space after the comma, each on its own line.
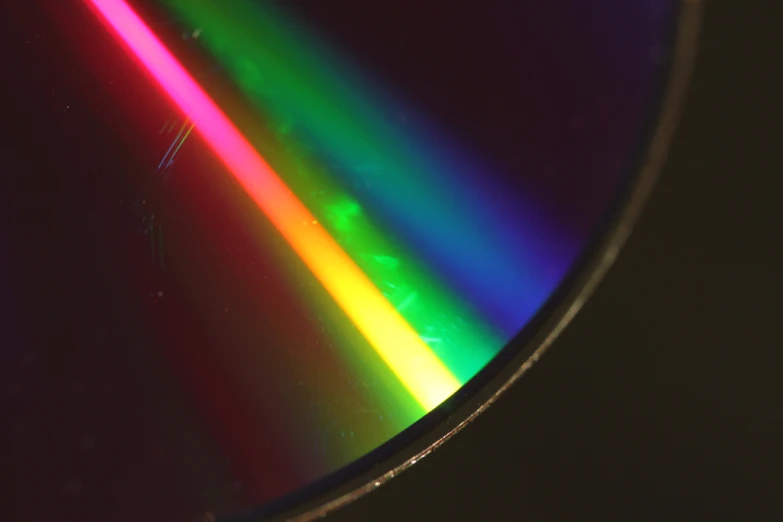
(253,250)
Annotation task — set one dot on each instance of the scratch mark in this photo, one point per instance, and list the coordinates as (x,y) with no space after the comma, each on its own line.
(173,144)
(185,137)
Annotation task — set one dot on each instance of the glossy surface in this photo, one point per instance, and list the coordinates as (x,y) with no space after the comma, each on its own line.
(249,242)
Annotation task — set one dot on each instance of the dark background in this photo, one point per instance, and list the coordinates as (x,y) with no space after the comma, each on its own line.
(664,398)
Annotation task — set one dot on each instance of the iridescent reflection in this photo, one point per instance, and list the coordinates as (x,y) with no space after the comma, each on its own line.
(254,241)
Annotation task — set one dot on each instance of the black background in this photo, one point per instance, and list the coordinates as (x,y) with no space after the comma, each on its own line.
(664,398)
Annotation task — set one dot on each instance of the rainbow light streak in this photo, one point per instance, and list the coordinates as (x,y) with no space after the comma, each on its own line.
(461,339)
(450,327)
(410,359)
(453,329)
(485,255)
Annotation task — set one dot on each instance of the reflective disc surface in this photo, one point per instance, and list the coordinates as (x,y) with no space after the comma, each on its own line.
(249,249)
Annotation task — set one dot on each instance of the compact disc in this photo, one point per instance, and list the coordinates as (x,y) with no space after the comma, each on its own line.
(254,251)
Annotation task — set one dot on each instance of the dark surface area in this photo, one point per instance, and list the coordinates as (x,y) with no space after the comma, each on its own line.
(664,399)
